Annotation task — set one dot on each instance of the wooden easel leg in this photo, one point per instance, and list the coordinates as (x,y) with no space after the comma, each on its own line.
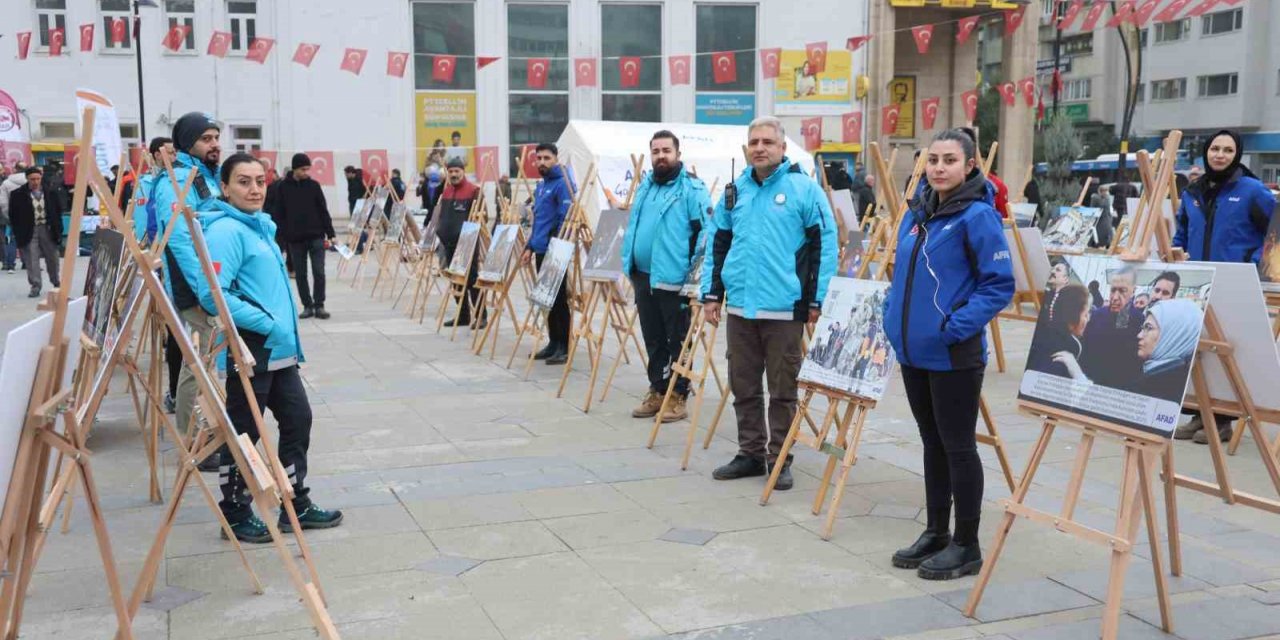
(1077,474)
(846,465)
(583,330)
(993,438)
(842,427)
(1211,430)
(1146,465)
(998,343)
(598,356)
(520,330)
(786,449)
(123,617)
(1171,512)
(662,410)
(1127,520)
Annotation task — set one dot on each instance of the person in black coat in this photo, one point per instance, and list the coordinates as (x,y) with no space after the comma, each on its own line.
(355,187)
(1067,317)
(302,212)
(271,206)
(36,218)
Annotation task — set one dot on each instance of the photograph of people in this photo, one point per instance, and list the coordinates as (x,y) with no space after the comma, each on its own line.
(1066,319)
(806,81)
(1166,344)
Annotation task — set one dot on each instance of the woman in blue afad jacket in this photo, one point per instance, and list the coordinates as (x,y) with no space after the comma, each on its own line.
(951,277)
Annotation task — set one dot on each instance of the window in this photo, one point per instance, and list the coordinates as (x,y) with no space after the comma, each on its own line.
(243,16)
(444,28)
(113,10)
(726,28)
(246,139)
(1077,90)
(1222,22)
(1172,31)
(1078,45)
(632,30)
(537,115)
(1222,84)
(1141,93)
(62,130)
(182,12)
(129,132)
(50,15)
(1174,89)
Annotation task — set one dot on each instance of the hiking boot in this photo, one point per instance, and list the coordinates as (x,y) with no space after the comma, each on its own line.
(1186,431)
(321,314)
(250,529)
(307,312)
(676,410)
(649,406)
(169,405)
(1224,432)
(312,517)
(561,356)
(928,545)
(956,561)
(785,481)
(740,467)
(546,352)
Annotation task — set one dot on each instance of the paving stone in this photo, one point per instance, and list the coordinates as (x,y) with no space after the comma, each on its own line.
(1267,597)
(1219,619)
(1001,601)
(1131,628)
(903,512)
(892,618)
(787,628)
(688,536)
(1139,581)
(448,565)
(170,598)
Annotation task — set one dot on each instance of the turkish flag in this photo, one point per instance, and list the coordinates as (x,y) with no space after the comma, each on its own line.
(970,101)
(1070,15)
(86,37)
(443,68)
(724,67)
(529,161)
(535,72)
(375,165)
(57,37)
(486,164)
(770,61)
(1013,19)
(678,69)
(965,28)
(889,119)
(1091,18)
(69,154)
(117,30)
(1170,13)
(929,111)
(268,157)
(851,127)
(12,153)
(923,35)
(259,49)
(484,61)
(856,42)
(24,44)
(1123,14)
(811,128)
(816,53)
(135,157)
(322,167)
(176,35)
(584,72)
(1040,109)
(1055,85)
(353,60)
(629,72)
(1144,12)
(219,44)
(396,63)
(305,53)
(1203,8)
(1028,86)
(1008,91)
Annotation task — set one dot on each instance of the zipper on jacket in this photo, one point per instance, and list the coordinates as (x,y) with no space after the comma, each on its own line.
(1210,211)
(906,294)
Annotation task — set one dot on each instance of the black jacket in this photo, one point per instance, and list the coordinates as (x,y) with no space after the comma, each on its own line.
(355,186)
(300,205)
(22,215)
(272,207)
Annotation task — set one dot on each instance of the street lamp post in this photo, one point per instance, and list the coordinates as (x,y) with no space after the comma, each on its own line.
(137,57)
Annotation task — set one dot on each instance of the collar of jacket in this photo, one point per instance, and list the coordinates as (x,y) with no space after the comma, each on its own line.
(223,209)
(184,159)
(973,189)
(465,190)
(554,174)
(1201,185)
(785,167)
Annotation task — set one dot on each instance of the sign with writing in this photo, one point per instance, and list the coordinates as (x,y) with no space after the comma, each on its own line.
(725,108)
(800,90)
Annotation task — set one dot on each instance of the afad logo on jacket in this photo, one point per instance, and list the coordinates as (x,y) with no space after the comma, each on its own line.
(915,229)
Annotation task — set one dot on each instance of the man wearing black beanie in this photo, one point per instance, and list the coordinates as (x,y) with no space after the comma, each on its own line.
(303,214)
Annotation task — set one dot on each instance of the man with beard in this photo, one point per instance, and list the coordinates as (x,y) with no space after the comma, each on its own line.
(453,209)
(668,213)
(308,229)
(196,140)
(551,201)
(1110,355)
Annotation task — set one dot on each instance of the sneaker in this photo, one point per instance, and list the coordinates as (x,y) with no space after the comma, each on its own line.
(312,517)
(546,352)
(170,406)
(561,356)
(1224,432)
(956,561)
(928,545)
(321,314)
(785,481)
(10,269)
(34,293)
(649,406)
(740,467)
(307,312)
(250,529)
(677,410)
(1186,431)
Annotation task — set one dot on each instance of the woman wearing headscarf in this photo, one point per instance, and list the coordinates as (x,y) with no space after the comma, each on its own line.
(1223,217)
(1166,344)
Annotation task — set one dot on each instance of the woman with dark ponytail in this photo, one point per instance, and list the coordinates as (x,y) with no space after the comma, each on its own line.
(952,276)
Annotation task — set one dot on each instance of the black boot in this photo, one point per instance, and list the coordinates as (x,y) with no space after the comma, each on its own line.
(461,322)
(307,312)
(956,561)
(546,352)
(928,545)
(561,355)
(321,314)
(785,481)
(740,467)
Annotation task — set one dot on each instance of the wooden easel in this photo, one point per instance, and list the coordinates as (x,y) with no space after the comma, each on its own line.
(391,252)
(373,228)
(495,295)
(49,403)
(686,365)
(456,289)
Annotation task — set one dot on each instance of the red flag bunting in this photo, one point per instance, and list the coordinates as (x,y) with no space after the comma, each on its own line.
(1008,91)
(535,70)
(267,157)
(1028,86)
(923,35)
(724,65)
(856,42)
(305,53)
(816,53)
(965,28)
(529,161)
(353,60)
(851,127)
(117,30)
(321,167)
(1013,19)
(929,112)
(260,49)
(812,130)
(1055,85)
(86,37)
(970,101)
(1091,18)
(584,72)
(629,71)
(678,69)
(375,165)
(1145,10)
(770,61)
(1040,110)
(1170,13)
(1122,15)
(1070,16)
(57,38)
(443,68)
(889,119)
(176,35)
(1203,8)
(484,61)
(219,44)
(24,44)
(486,164)
(397,62)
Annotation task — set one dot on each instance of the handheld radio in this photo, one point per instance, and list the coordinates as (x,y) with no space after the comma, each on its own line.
(731,189)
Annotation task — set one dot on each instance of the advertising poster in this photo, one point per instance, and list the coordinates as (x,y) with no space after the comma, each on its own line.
(445,127)
(902,92)
(724,108)
(850,350)
(1116,340)
(799,91)
(107,146)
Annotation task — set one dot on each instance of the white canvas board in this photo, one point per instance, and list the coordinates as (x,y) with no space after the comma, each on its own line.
(1037,258)
(842,202)
(1024,213)
(1242,312)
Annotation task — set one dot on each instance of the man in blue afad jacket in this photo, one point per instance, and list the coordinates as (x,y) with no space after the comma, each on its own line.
(551,201)
(771,257)
(668,213)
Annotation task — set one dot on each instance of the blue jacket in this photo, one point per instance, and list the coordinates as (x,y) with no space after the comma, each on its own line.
(1231,227)
(774,252)
(180,254)
(551,200)
(681,207)
(952,274)
(254,282)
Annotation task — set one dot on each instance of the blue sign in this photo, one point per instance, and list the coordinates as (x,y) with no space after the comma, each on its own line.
(725,108)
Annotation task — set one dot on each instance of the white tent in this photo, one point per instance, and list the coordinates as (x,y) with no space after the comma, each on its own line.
(708,148)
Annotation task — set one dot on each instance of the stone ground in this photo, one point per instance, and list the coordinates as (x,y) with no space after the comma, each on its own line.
(479,506)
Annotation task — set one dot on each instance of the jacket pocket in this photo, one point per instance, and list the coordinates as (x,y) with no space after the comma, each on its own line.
(967,354)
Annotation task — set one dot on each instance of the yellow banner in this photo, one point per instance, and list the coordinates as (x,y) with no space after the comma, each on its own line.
(799,91)
(439,116)
(902,92)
